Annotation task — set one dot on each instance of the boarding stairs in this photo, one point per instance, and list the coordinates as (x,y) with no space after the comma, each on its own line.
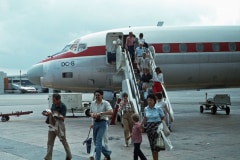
(129,84)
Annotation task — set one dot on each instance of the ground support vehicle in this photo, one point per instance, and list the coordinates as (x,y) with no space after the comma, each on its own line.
(6,116)
(76,103)
(218,102)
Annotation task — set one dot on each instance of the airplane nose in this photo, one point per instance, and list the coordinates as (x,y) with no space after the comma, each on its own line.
(35,73)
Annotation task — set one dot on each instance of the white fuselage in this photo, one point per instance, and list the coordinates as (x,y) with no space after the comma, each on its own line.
(190,57)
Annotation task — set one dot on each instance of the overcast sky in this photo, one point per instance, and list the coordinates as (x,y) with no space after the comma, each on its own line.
(30,30)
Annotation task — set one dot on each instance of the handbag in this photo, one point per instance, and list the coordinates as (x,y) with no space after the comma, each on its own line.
(160,143)
(163,127)
(167,142)
(88,142)
(166,130)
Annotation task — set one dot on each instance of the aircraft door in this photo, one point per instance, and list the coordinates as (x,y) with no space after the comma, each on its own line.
(114,41)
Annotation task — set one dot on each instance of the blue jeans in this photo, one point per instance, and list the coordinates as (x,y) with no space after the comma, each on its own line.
(98,132)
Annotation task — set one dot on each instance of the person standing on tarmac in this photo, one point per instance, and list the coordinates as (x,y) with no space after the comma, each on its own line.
(153,116)
(126,107)
(99,110)
(137,138)
(57,114)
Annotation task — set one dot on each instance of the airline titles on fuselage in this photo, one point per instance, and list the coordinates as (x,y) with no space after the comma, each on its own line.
(68,64)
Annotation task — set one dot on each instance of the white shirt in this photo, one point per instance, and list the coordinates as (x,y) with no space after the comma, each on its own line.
(161,104)
(144,63)
(102,107)
(158,77)
(141,41)
(139,51)
(119,42)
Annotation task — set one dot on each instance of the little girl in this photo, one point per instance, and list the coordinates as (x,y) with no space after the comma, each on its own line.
(137,138)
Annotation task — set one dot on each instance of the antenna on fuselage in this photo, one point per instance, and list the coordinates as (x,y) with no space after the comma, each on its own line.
(160,23)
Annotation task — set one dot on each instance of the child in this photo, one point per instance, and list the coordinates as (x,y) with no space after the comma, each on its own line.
(137,138)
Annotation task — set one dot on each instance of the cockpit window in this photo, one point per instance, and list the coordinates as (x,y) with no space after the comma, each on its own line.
(76,47)
(82,46)
(66,48)
(73,47)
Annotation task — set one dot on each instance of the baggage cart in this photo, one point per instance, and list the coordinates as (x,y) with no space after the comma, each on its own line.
(219,102)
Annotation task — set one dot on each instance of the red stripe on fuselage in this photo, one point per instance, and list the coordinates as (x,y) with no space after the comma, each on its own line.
(173,48)
(191,47)
(90,51)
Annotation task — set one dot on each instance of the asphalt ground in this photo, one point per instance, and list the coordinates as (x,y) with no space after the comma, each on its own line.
(194,135)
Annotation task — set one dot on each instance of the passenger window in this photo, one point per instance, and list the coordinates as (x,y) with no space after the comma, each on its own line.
(232,46)
(215,47)
(199,47)
(182,47)
(166,48)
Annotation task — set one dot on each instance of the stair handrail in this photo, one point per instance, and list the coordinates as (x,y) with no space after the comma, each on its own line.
(129,74)
(153,66)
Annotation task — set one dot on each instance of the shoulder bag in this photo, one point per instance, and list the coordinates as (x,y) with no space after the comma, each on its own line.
(160,142)
(163,127)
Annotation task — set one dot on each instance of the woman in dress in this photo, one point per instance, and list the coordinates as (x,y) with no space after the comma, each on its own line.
(158,80)
(153,116)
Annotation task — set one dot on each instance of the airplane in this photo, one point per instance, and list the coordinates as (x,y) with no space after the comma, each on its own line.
(24,89)
(190,57)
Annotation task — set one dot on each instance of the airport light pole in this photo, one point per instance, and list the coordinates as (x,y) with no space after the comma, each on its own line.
(20,78)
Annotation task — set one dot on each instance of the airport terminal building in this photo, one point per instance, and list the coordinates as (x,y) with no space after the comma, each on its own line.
(2,82)
(18,84)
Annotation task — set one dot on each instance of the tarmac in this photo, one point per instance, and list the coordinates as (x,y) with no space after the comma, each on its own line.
(194,135)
